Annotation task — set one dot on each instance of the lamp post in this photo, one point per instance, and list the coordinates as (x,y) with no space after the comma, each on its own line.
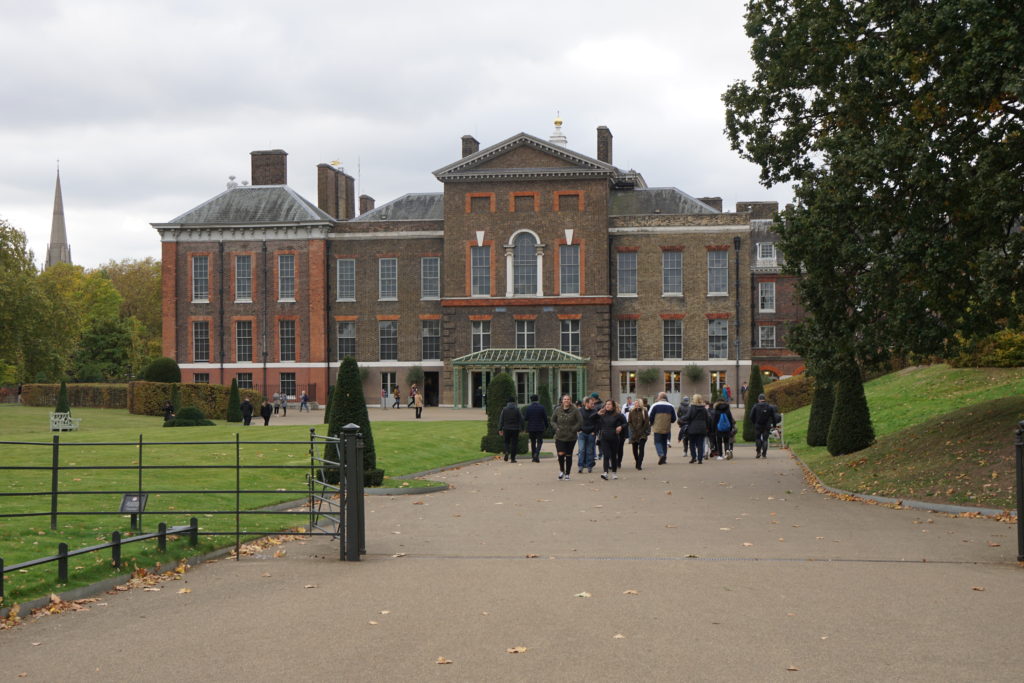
(736,378)
(1019,462)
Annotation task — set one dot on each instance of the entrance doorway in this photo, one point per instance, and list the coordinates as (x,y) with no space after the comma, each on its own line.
(478,388)
(431,388)
(526,385)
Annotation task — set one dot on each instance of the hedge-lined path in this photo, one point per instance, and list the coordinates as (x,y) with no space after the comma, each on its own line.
(723,571)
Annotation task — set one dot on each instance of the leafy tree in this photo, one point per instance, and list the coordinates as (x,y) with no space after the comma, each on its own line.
(415,376)
(139,284)
(850,429)
(901,126)
(821,413)
(103,350)
(755,387)
(63,405)
(234,413)
(162,369)
(348,406)
(500,391)
(21,304)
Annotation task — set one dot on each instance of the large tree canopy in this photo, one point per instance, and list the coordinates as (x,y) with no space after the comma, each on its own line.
(900,123)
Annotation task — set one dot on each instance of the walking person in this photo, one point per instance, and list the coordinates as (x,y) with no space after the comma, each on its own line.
(612,423)
(587,435)
(247,410)
(276,401)
(510,423)
(724,424)
(417,403)
(662,415)
(284,405)
(743,393)
(568,422)
(698,426)
(304,402)
(765,418)
(536,424)
(266,410)
(397,395)
(413,390)
(639,429)
(683,438)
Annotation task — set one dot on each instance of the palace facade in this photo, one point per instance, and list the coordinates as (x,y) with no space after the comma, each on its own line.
(555,266)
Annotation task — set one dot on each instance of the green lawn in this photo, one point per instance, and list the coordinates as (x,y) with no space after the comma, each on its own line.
(943,434)
(402,448)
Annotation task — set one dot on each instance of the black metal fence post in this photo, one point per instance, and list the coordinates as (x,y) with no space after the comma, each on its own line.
(115,548)
(311,477)
(193,532)
(161,539)
(238,498)
(352,472)
(54,482)
(137,520)
(360,480)
(1020,489)
(62,563)
(1,578)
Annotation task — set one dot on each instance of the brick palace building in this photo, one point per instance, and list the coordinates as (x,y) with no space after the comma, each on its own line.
(555,266)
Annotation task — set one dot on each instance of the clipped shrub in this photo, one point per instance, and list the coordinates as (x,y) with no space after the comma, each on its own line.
(850,429)
(234,412)
(162,369)
(500,391)
(1002,349)
(648,376)
(821,414)
(544,397)
(63,405)
(148,398)
(79,395)
(327,408)
(175,396)
(415,376)
(188,417)
(755,387)
(790,393)
(348,406)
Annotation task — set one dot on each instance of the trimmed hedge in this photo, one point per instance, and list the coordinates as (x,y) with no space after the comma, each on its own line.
(791,393)
(189,417)
(79,395)
(148,398)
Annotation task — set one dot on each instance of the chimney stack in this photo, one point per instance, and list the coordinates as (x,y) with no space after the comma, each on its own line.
(604,144)
(470,145)
(366,203)
(335,192)
(270,167)
(714,202)
(758,210)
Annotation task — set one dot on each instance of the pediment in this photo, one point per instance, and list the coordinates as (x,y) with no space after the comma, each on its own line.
(523,156)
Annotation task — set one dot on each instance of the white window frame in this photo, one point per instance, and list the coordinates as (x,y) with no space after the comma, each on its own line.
(767,337)
(570,267)
(480,271)
(671,273)
(666,332)
(626,330)
(391,327)
(243,278)
(387,279)
(766,297)
(718,330)
(200,279)
(239,356)
(767,254)
(718,272)
(201,341)
(626,273)
(430,278)
(480,335)
(289,353)
(433,327)
(525,267)
(346,329)
(526,334)
(345,279)
(569,337)
(286,277)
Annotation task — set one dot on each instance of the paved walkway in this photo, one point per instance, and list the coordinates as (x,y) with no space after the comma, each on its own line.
(723,571)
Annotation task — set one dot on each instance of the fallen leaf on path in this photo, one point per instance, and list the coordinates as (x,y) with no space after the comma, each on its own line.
(631,592)
(978,588)
(311,585)
(993,545)
(152,589)
(398,555)
(280,553)
(792,668)
(782,540)
(442,660)
(184,590)
(668,493)
(531,555)
(618,636)
(724,528)
(519,649)
(264,574)
(36,644)
(385,611)
(584,594)
(671,526)
(747,545)
(373,623)
(418,502)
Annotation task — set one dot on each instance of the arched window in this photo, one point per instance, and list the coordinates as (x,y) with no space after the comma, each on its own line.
(524,263)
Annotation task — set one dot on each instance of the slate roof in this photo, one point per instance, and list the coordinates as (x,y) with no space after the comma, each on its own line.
(422,206)
(469,167)
(655,200)
(253,205)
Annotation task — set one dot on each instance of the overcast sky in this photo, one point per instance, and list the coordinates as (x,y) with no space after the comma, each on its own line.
(150,106)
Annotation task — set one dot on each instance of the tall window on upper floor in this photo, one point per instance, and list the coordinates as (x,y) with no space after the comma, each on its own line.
(243,341)
(201,278)
(627,339)
(626,272)
(243,277)
(346,279)
(388,339)
(201,341)
(526,336)
(766,337)
(718,338)
(388,279)
(481,335)
(766,297)
(286,277)
(286,336)
(718,272)
(430,277)
(766,255)
(346,339)
(672,339)
(480,271)
(672,273)
(524,264)
(570,336)
(431,335)
(569,269)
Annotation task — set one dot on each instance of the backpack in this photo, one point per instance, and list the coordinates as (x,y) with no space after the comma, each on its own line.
(723,422)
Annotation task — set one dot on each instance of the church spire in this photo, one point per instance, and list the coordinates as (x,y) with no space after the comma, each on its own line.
(58,250)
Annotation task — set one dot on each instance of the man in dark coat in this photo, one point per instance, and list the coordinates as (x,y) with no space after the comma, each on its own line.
(246,412)
(510,423)
(266,410)
(536,424)
(765,417)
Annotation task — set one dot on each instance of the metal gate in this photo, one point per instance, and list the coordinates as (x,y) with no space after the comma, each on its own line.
(336,492)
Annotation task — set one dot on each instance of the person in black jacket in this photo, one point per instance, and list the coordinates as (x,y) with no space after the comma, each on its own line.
(536,423)
(765,417)
(246,408)
(266,410)
(698,426)
(510,423)
(722,437)
(612,424)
